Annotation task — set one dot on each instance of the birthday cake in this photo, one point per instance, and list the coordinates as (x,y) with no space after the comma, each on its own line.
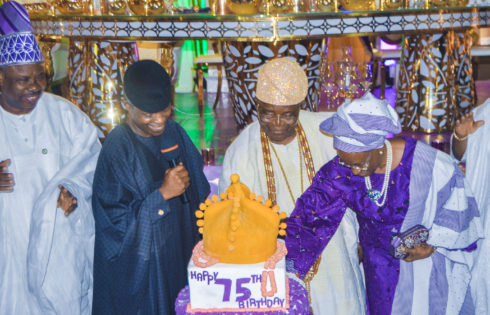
(239,266)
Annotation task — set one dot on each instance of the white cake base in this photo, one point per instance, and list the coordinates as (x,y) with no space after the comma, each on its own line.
(230,287)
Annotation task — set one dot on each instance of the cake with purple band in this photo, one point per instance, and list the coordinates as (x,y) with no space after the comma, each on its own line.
(239,266)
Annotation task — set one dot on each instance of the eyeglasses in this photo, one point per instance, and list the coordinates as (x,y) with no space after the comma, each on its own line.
(362,168)
(265,115)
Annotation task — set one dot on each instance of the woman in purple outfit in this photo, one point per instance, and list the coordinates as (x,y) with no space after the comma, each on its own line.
(392,185)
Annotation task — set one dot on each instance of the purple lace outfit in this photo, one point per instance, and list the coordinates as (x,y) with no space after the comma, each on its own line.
(320,209)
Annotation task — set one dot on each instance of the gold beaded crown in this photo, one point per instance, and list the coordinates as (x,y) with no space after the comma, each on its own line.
(239,229)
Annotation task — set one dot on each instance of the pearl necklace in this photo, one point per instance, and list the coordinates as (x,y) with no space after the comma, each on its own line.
(374,194)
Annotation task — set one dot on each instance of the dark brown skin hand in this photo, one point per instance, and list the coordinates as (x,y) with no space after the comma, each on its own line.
(175,182)
(6,178)
(360,252)
(420,252)
(66,201)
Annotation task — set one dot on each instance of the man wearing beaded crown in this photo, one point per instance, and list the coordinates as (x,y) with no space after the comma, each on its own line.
(393,185)
(277,157)
(48,153)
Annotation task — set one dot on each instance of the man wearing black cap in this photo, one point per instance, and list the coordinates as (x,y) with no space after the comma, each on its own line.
(145,227)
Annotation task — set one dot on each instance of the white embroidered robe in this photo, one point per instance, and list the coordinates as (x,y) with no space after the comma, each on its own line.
(45,257)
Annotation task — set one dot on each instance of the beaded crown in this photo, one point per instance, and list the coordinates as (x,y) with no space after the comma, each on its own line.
(239,228)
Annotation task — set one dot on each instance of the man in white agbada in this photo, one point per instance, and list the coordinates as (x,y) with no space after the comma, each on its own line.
(471,143)
(277,157)
(48,154)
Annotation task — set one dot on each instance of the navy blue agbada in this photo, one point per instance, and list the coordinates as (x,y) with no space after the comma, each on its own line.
(141,255)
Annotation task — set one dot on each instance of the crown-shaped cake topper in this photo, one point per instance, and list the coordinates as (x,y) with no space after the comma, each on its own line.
(239,229)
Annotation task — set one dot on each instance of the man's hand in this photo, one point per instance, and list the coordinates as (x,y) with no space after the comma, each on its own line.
(420,252)
(466,125)
(6,178)
(66,200)
(175,182)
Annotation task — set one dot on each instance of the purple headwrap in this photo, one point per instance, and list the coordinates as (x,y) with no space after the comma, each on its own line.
(18,44)
(361,125)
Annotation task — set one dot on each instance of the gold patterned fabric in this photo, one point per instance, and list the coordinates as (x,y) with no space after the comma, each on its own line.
(435,85)
(95,73)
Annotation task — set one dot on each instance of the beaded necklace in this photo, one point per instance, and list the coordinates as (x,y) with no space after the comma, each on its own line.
(284,173)
(305,152)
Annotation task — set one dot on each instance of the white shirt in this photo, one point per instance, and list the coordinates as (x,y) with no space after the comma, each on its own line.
(46,258)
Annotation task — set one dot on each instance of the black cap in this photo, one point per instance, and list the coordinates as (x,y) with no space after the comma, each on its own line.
(147,86)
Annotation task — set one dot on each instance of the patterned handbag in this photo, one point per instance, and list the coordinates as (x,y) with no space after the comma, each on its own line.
(411,238)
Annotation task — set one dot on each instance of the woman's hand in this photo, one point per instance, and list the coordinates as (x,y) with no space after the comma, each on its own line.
(420,252)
